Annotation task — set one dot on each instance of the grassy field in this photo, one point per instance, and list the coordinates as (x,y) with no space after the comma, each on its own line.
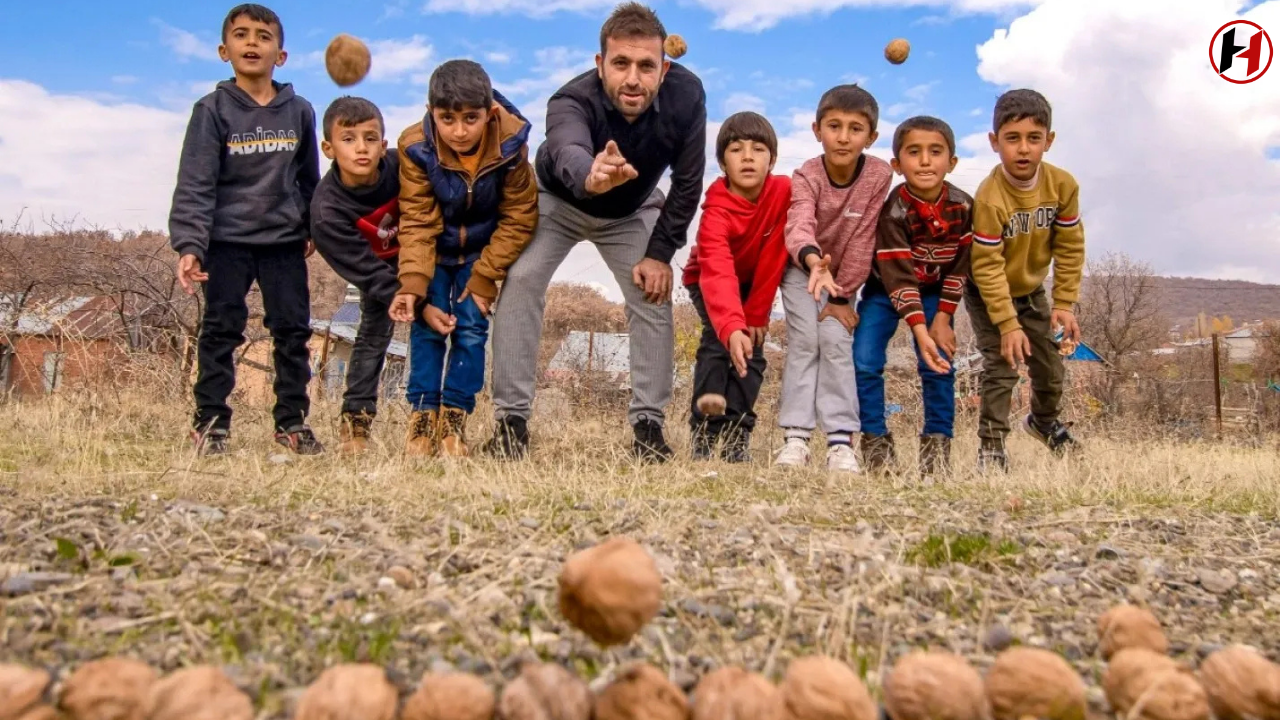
(279,566)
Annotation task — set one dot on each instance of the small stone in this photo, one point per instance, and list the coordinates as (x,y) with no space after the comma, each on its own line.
(309,542)
(530,523)
(368,618)
(1057,579)
(1216,582)
(684,680)
(1206,649)
(723,615)
(197,512)
(709,524)
(998,638)
(1107,552)
(122,574)
(26,583)
(1248,575)
(402,576)
(1061,537)
(386,583)
(280,459)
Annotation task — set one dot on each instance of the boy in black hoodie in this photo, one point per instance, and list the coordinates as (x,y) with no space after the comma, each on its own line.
(240,213)
(354,220)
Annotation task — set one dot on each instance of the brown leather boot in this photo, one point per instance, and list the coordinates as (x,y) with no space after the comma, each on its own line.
(424,434)
(453,432)
(354,433)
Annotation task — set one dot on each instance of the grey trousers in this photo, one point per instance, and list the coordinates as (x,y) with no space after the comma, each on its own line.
(819,386)
(517,325)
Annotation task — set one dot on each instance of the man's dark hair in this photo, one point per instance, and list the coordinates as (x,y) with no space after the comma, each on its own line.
(928,124)
(631,20)
(458,85)
(1018,105)
(749,126)
(257,13)
(849,98)
(348,111)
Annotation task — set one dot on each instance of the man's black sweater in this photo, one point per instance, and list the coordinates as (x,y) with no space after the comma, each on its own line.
(672,133)
(355,229)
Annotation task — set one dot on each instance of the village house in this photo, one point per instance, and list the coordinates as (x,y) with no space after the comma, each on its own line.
(47,345)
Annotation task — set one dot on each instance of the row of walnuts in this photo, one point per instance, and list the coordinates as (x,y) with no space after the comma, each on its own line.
(614,589)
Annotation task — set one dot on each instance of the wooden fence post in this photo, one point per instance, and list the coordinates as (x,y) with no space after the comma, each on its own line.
(1217,385)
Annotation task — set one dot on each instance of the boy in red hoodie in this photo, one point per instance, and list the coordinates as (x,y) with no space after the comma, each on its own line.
(732,277)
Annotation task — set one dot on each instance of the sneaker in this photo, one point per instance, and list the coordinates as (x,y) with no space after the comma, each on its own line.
(842,458)
(878,451)
(703,440)
(211,442)
(649,444)
(712,404)
(354,433)
(424,433)
(991,456)
(935,457)
(453,432)
(510,439)
(1057,438)
(794,454)
(299,439)
(737,446)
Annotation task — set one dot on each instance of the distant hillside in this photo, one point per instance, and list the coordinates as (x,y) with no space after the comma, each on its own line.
(1182,299)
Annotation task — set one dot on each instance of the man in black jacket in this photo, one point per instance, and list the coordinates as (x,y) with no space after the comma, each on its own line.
(611,134)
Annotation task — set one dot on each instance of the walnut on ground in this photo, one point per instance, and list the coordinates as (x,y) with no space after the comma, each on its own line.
(818,687)
(355,691)
(733,693)
(641,692)
(1145,685)
(545,691)
(450,696)
(1127,626)
(1032,681)
(202,692)
(610,591)
(935,685)
(1241,683)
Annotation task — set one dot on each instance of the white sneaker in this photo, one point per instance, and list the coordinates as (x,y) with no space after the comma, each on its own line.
(795,453)
(842,458)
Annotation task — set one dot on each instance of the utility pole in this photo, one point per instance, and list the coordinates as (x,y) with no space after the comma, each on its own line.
(1217,385)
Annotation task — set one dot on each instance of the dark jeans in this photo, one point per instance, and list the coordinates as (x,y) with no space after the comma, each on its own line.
(281,272)
(431,383)
(877,325)
(368,355)
(1045,366)
(713,373)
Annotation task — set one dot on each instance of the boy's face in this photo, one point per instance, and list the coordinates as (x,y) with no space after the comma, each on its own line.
(1021,146)
(844,135)
(252,48)
(631,70)
(924,160)
(747,163)
(461,129)
(357,150)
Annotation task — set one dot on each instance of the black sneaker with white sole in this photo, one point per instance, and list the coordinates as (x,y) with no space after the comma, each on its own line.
(1057,437)
(214,441)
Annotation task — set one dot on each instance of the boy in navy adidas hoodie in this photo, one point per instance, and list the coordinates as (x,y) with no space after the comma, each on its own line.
(468,207)
(354,220)
(240,210)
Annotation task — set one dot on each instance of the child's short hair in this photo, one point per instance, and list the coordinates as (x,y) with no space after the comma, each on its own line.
(631,20)
(349,111)
(746,125)
(458,85)
(257,13)
(1017,105)
(849,98)
(928,124)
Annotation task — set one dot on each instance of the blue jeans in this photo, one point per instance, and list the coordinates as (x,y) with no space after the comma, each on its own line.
(431,384)
(877,326)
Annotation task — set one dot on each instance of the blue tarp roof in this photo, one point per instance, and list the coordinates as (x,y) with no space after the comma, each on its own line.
(1084,353)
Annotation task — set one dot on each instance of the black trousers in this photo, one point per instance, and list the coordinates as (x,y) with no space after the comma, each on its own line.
(368,356)
(713,373)
(281,273)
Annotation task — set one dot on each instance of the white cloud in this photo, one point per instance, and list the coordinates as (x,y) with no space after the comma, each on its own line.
(741,101)
(756,15)
(498,57)
(534,8)
(1172,161)
(124,79)
(185,44)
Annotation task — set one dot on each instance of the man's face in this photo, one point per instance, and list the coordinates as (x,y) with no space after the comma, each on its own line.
(252,47)
(631,69)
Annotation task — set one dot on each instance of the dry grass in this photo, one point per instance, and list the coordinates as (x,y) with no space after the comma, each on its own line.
(760,565)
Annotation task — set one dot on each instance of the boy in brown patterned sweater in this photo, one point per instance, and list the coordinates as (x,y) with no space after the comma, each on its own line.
(923,240)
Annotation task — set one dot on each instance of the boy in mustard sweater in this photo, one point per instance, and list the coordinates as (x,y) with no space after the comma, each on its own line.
(1026,216)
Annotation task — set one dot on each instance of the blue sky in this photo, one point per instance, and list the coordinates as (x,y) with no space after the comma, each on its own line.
(1176,167)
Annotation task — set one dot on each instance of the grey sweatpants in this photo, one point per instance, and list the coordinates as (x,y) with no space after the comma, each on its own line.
(517,325)
(819,387)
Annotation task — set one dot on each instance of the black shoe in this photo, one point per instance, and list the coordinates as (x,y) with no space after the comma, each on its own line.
(649,444)
(213,441)
(299,439)
(703,441)
(510,440)
(737,446)
(991,456)
(1057,437)
(878,452)
(935,457)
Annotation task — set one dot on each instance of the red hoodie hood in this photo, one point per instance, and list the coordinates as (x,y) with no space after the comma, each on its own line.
(719,196)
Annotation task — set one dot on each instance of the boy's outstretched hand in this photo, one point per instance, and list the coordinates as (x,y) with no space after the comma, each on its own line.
(847,316)
(439,320)
(820,277)
(485,304)
(609,170)
(402,308)
(943,334)
(929,351)
(739,350)
(1015,348)
(189,273)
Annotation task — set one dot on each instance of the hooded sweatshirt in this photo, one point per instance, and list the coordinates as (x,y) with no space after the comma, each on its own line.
(355,229)
(838,220)
(740,244)
(247,171)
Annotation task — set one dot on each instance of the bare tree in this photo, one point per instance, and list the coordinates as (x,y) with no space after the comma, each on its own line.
(1119,308)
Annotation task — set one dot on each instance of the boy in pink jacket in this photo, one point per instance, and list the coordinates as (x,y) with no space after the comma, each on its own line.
(831,235)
